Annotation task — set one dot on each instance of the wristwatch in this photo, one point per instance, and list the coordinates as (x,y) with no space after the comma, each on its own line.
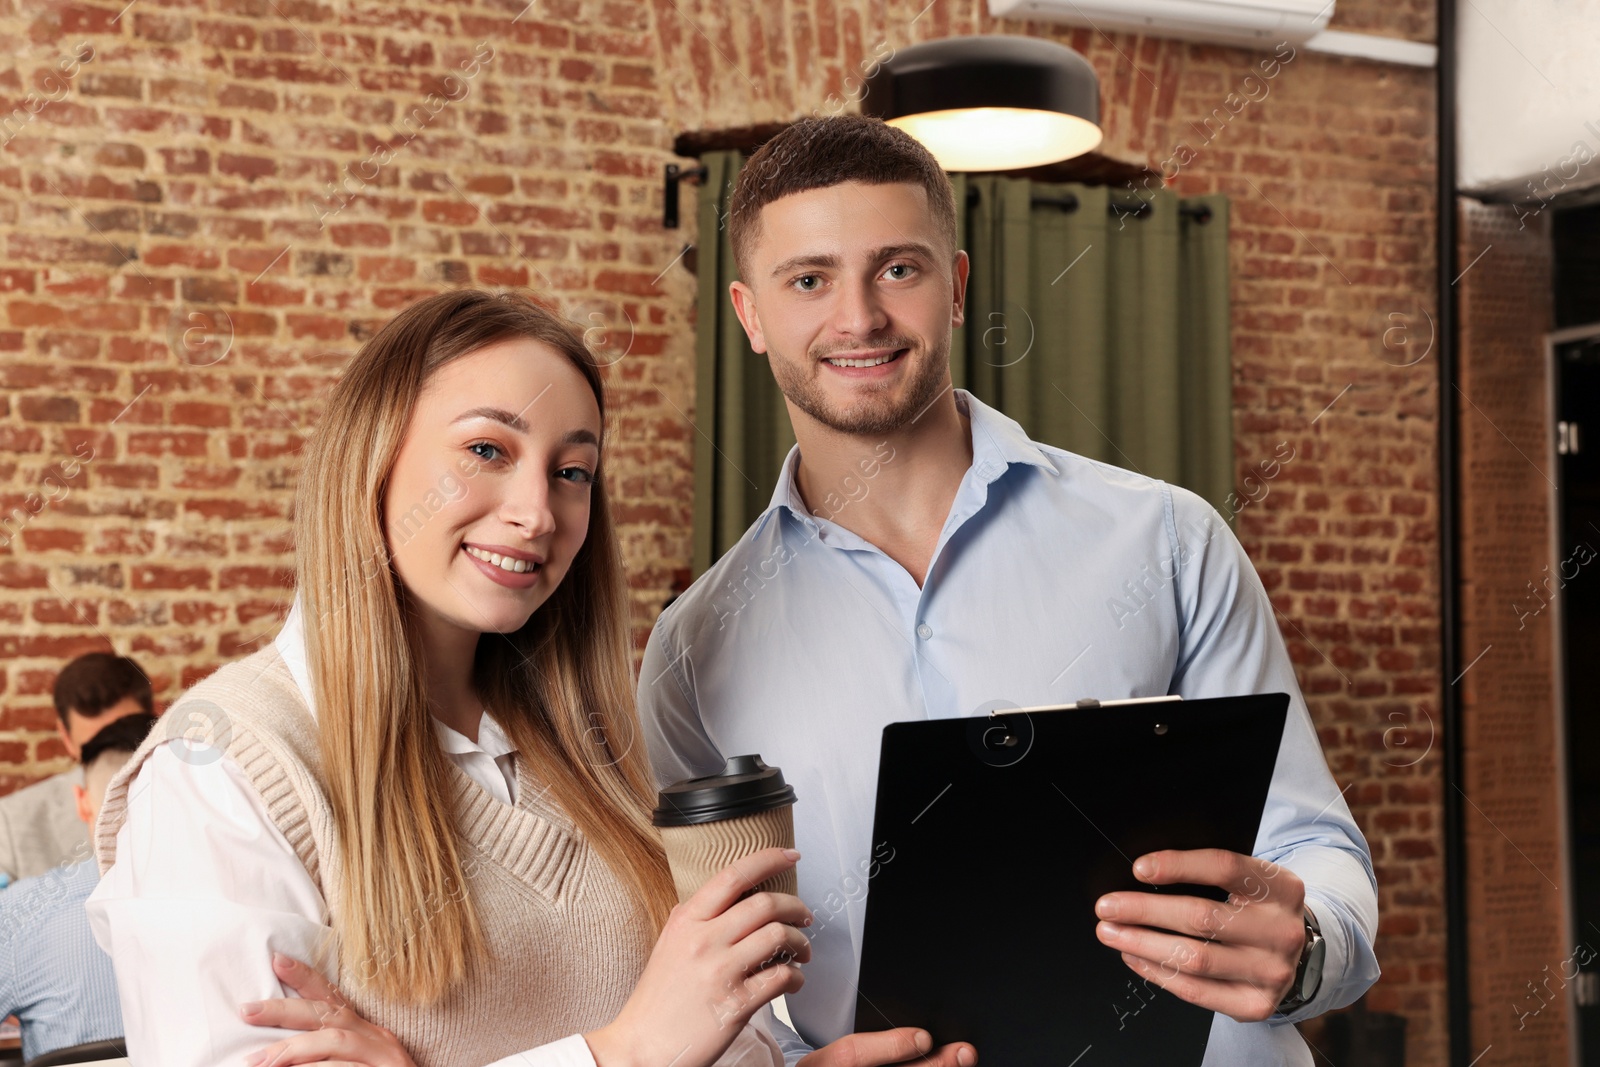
(1307,976)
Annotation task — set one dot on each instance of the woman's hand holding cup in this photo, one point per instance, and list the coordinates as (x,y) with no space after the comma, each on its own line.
(720,957)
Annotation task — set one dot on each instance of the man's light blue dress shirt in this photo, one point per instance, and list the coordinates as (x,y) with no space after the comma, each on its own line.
(1054,578)
(52,974)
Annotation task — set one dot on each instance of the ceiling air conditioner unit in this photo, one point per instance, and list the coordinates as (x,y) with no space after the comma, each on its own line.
(1250,23)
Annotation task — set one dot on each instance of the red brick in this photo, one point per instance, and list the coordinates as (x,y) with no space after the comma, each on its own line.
(192,413)
(86,284)
(449,212)
(416,55)
(286,39)
(78,612)
(256,578)
(49,408)
(126,476)
(38,718)
(35,539)
(247,167)
(320,327)
(73,19)
(253,611)
(167,444)
(234,36)
(318,72)
(386,268)
(15,575)
(633,283)
(225,508)
(133,351)
(360,235)
(211,289)
(20,439)
(194,256)
(197,613)
(17,281)
(35,683)
(577,70)
(106,316)
(186,160)
(167,644)
(23,313)
(162,28)
(100,83)
(119,155)
(124,542)
(137,119)
(270,293)
(160,576)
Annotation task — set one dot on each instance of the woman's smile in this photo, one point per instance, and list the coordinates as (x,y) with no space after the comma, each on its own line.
(504,570)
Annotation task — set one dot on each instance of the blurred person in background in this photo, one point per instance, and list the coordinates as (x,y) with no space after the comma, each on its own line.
(38,825)
(53,977)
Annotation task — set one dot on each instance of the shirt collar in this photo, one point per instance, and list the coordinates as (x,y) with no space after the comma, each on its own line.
(491,739)
(291,646)
(997,442)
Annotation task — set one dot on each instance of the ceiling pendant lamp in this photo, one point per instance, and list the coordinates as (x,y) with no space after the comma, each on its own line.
(999,102)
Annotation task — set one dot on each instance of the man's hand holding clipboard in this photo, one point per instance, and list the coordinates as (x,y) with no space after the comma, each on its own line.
(1239,958)
(1011,830)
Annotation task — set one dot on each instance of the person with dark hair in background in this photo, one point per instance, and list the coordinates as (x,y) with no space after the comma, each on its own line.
(38,830)
(53,976)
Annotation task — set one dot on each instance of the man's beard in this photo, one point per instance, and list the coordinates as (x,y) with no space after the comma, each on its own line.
(876,412)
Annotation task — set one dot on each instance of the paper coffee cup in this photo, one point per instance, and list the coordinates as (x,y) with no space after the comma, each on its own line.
(708,823)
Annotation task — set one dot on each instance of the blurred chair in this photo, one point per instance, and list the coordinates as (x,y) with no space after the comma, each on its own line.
(111,1052)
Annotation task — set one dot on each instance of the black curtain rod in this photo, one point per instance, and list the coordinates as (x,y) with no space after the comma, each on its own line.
(1139,207)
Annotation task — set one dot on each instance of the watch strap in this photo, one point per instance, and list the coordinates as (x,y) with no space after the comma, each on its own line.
(1298,994)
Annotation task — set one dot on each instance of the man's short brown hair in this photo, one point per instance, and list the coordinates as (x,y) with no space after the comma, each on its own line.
(816,153)
(99,680)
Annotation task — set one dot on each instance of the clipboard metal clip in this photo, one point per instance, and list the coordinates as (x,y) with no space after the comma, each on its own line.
(1085,703)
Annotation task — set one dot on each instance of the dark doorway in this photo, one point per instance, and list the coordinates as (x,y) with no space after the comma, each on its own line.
(1575,350)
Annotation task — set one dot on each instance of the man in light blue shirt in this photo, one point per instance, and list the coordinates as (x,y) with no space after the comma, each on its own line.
(53,976)
(922,558)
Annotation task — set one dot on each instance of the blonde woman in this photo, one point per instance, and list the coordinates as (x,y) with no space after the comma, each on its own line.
(430,785)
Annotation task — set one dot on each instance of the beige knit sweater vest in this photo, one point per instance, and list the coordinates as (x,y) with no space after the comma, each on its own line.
(564,947)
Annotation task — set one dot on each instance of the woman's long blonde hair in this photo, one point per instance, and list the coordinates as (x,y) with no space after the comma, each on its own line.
(561,686)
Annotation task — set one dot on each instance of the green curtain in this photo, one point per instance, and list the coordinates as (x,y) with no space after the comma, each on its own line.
(1102,331)
(1099,322)
(742,426)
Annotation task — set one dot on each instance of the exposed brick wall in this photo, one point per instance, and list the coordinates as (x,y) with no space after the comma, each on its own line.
(203,138)
(1514,853)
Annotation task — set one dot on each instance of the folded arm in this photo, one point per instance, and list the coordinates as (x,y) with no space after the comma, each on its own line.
(204,890)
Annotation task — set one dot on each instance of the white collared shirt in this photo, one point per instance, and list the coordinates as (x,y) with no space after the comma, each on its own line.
(490,761)
(206,887)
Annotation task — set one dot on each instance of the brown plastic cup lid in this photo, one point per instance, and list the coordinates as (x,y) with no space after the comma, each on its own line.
(745,786)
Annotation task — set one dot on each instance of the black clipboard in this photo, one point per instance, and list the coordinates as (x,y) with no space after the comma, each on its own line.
(995,835)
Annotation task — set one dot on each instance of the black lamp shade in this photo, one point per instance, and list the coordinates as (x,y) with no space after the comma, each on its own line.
(990,103)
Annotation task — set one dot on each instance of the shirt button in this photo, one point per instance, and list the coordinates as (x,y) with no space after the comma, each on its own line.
(924,631)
